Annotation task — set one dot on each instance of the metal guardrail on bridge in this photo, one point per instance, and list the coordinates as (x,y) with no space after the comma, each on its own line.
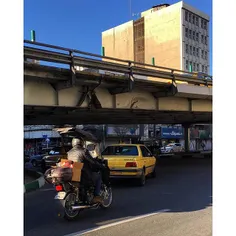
(72,57)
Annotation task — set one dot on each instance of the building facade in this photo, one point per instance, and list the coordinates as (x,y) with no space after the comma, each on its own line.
(175,36)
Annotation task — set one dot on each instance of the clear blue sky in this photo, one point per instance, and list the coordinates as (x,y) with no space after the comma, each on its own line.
(79,23)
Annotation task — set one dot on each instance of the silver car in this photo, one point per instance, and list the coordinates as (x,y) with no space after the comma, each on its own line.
(172,147)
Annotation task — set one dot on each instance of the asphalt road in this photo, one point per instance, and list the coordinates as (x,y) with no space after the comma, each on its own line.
(184,187)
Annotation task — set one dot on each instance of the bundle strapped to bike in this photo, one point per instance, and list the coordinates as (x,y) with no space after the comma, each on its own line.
(65,171)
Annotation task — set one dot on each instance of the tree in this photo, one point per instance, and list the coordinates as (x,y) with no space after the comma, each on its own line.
(123,130)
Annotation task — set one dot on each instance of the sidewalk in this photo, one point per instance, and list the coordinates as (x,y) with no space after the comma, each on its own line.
(33,180)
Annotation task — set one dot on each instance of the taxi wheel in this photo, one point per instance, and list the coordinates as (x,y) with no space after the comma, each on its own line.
(142,179)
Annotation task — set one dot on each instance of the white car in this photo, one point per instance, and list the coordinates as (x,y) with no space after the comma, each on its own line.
(172,147)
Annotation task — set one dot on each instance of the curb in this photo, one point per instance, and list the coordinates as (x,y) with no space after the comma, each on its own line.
(38,183)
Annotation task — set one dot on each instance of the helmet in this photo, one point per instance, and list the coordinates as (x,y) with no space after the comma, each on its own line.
(93,149)
(77,142)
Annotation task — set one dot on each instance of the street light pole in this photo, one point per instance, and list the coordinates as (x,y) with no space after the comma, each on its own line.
(33,39)
(32,35)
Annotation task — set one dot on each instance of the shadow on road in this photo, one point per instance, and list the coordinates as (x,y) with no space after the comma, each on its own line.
(180,185)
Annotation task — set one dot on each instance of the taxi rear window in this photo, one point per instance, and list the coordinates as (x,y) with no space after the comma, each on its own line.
(121,151)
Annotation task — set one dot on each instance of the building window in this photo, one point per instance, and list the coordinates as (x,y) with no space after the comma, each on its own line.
(190,50)
(206,40)
(186,32)
(186,65)
(186,16)
(189,17)
(197,67)
(206,70)
(197,52)
(205,25)
(202,38)
(203,68)
(186,48)
(193,19)
(193,35)
(206,55)
(194,66)
(202,23)
(197,37)
(190,34)
(202,54)
(197,22)
(194,51)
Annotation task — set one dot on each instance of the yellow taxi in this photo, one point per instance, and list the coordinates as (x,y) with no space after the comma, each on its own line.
(130,161)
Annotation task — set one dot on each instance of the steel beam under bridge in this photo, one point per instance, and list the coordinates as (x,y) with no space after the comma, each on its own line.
(148,102)
(50,86)
(144,104)
(42,115)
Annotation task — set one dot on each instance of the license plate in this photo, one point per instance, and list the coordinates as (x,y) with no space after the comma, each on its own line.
(60,195)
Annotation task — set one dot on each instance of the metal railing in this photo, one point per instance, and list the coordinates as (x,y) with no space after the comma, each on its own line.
(72,57)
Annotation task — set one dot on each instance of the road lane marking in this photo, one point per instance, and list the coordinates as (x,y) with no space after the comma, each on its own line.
(117,223)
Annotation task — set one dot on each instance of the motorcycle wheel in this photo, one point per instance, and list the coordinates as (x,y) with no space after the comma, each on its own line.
(70,214)
(107,198)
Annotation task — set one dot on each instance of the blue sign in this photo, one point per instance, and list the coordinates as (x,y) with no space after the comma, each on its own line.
(172,133)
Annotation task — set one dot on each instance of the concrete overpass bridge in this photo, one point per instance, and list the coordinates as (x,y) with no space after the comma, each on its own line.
(64,85)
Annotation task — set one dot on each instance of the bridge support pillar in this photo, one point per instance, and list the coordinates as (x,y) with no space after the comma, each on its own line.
(186,137)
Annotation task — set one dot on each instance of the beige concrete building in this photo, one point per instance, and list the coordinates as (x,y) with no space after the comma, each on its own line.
(176,36)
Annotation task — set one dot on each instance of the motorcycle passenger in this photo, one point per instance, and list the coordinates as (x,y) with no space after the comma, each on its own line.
(79,154)
(94,152)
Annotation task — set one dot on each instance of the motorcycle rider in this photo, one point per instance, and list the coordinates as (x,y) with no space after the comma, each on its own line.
(79,154)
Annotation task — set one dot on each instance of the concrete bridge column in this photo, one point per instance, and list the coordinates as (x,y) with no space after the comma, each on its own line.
(186,137)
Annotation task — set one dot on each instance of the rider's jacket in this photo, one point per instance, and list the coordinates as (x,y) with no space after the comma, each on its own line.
(79,154)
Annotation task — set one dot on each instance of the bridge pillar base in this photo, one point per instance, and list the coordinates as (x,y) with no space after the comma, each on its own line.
(186,137)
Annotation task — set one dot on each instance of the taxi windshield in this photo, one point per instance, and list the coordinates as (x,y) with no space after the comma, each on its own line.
(120,151)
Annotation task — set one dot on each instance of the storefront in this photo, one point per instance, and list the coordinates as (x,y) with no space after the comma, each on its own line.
(172,135)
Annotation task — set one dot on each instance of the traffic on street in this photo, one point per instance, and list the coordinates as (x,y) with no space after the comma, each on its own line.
(117,142)
(177,202)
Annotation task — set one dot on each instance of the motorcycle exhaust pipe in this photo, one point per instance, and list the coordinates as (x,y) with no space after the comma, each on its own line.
(80,207)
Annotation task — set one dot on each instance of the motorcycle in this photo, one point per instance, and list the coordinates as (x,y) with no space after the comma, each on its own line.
(74,197)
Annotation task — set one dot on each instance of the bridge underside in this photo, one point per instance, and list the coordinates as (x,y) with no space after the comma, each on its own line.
(49,98)
(35,115)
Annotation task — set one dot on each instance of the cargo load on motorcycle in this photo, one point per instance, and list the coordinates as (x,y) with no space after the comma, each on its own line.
(75,189)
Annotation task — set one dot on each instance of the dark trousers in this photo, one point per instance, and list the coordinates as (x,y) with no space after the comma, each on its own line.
(97,179)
